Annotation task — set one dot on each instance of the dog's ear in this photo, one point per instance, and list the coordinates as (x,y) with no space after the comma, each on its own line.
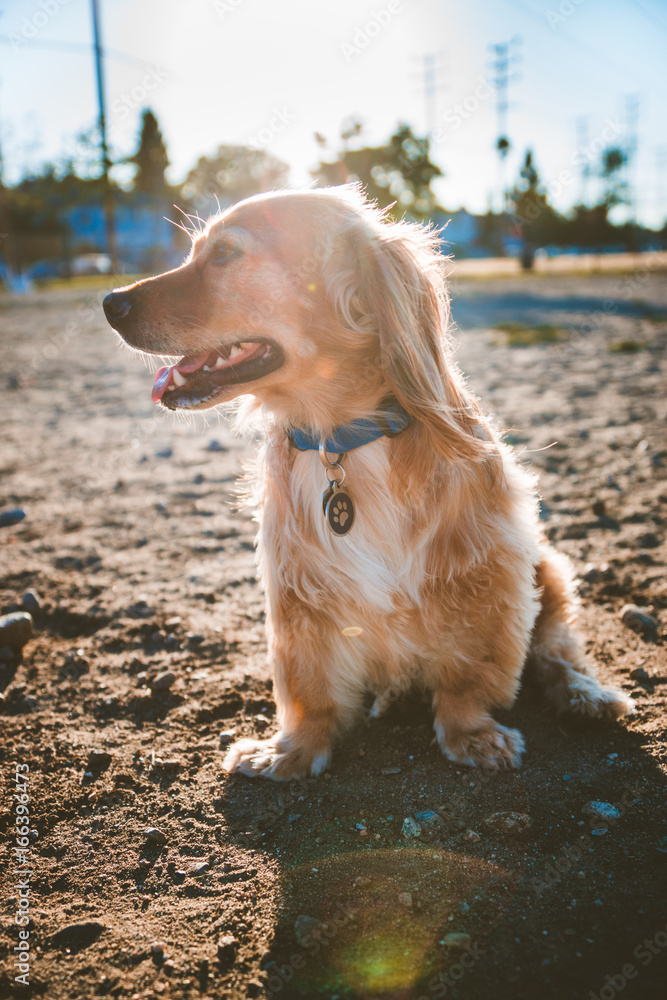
(396,283)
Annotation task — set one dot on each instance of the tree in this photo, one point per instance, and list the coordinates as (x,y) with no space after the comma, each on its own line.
(233,173)
(533,215)
(401,171)
(150,158)
(611,171)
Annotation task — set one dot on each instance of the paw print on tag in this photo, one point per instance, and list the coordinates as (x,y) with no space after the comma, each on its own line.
(340,513)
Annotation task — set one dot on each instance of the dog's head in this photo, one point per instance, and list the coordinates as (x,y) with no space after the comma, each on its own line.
(313,303)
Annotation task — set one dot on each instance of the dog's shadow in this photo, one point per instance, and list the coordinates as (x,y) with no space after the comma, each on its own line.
(399,868)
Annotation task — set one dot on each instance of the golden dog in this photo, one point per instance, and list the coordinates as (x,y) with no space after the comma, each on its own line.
(425,565)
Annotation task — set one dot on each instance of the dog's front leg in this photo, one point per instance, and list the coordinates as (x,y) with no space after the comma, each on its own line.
(310,702)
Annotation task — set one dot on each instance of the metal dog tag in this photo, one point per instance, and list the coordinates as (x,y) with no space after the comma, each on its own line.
(339,511)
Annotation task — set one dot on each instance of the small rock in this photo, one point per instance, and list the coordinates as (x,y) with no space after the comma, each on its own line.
(509,822)
(390,770)
(164,453)
(155,836)
(410,828)
(639,674)
(15,630)
(305,928)
(599,508)
(470,836)
(31,602)
(429,820)
(603,810)
(405,900)
(163,681)
(640,621)
(9,517)
(649,540)
(461,941)
(227,736)
(227,946)
(76,937)
(600,832)
(214,445)
(200,869)
(157,949)
(99,758)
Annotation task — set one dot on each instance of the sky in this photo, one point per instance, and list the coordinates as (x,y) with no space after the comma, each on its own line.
(273,73)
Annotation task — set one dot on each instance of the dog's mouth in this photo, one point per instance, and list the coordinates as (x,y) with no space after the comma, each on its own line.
(197,379)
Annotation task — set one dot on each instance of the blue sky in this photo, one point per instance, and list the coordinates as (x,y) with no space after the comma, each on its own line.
(218,71)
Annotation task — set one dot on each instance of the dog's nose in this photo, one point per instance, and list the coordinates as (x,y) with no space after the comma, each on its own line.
(116,307)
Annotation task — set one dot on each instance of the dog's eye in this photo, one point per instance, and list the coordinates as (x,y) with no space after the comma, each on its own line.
(223,252)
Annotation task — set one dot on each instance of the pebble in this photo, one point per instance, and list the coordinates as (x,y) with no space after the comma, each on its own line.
(639,620)
(31,602)
(461,941)
(164,453)
(509,822)
(78,935)
(15,630)
(9,517)
(390,770)
(429,820)
(200,869)
(470,836)
(215,445)
(603,810)
(163,681)
(639,674)
(227,735)
(411,828)
(405,900)
(227,946)
(156,836)
(99,758)
(157,948)
(305,927)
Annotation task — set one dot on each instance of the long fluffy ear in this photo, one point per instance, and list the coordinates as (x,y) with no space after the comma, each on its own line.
(401,287)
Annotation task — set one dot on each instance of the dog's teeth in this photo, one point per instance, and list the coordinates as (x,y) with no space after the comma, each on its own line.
(178,378)
(220,363)
(235,351)
(246,346)
(206,368)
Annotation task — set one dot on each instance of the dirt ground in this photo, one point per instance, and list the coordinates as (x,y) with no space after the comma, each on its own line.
(142,568)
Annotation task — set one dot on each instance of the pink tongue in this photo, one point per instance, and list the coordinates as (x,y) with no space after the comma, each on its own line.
(162,380)
(185,366)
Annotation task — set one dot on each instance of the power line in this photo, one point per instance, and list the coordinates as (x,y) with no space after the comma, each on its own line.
(82,47)
(104,147)
(505,55)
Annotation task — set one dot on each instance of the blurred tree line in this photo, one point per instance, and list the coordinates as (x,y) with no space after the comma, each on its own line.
(398,174)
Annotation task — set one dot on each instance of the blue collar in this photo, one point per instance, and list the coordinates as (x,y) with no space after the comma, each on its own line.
(391,422)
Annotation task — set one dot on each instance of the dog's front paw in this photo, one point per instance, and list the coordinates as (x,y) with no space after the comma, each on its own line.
(279,759)
(491,746)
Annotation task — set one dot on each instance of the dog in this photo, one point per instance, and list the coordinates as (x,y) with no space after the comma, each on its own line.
(399,540)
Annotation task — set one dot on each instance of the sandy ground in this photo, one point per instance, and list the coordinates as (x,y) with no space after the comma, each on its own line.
(312,889)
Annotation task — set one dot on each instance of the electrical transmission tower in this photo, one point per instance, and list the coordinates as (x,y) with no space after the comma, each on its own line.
(431,70)
(505,56)
(584,161)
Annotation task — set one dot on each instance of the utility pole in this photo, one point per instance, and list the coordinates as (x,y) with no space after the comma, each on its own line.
(505,55)
(430,85)
(585,165)
(104,146)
